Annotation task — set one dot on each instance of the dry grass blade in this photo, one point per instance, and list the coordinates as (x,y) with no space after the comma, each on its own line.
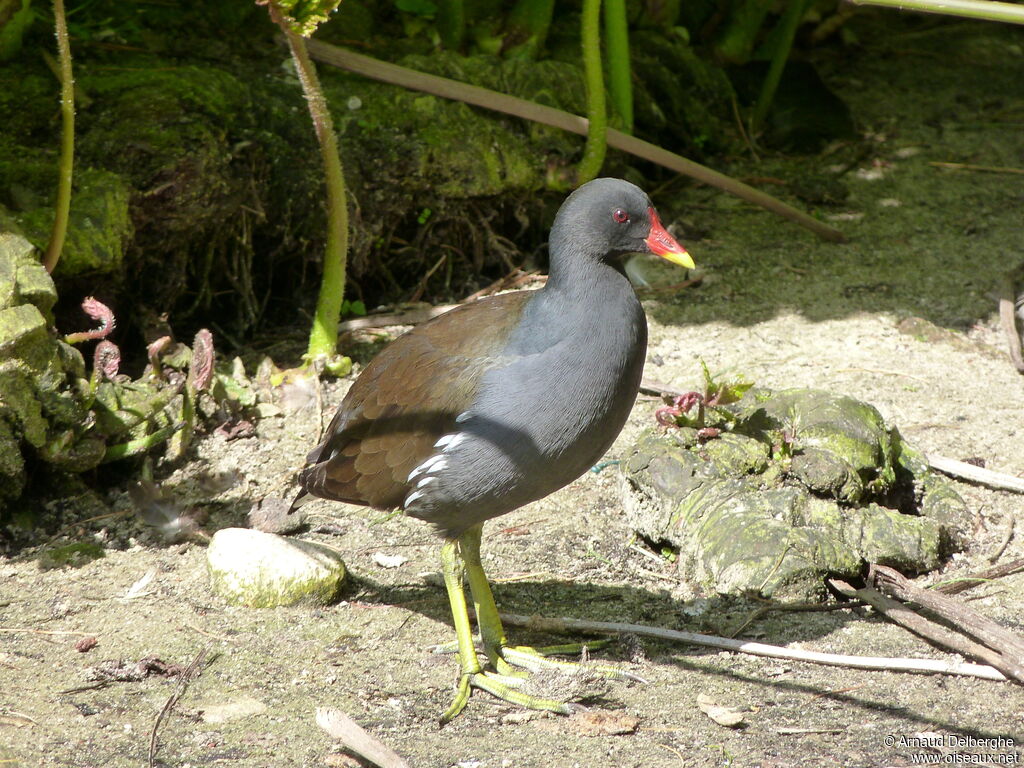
(186,677)
(340,726)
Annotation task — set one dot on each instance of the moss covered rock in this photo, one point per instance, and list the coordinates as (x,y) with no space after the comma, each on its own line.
(806,483)
(263,570)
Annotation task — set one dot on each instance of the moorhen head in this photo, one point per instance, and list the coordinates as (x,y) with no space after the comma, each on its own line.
(499,403)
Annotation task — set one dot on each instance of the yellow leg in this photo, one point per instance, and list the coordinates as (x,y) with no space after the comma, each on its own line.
(454,571)
(461,560)
(492,634)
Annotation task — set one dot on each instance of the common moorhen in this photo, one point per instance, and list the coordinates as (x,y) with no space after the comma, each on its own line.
(498,403)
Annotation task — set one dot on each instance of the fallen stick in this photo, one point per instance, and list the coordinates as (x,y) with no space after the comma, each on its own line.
(930,666)
(413,316)
(446,88)
(964,471)
(972,580)
(352,735)
(1009,646)
(421,314)
(898,613)
(191,671)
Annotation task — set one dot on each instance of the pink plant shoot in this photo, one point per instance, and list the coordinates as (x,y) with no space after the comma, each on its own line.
(99,312)
(200,369)
(107,359)
(667,415)
(153,352)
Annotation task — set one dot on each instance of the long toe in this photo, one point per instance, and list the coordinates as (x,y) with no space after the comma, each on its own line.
(535,661)
(525,692)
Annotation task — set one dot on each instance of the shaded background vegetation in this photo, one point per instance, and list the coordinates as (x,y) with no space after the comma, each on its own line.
(198,191)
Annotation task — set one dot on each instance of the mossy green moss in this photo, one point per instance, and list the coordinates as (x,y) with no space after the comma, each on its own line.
(71,555)
(744,522)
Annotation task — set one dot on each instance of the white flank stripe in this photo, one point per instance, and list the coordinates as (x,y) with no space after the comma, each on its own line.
(435,463)
(449,442)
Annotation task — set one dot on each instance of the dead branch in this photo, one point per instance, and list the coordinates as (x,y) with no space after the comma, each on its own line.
(932,666)
(964,471)
(1008,646)
(340,726)
(942,636)
(191,671)
(973,580)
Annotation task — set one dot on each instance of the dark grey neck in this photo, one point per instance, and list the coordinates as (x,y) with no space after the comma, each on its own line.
(578,265)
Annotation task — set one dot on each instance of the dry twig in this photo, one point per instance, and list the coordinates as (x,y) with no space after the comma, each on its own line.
(1007,295)
(964,471)
(1007,537)
(340,726)
(566,625)
(32,631)
(935,633)
(1008,647)
(972,167)
(413,316)
(191,671)
(973,580)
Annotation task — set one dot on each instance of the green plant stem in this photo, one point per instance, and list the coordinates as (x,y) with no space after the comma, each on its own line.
(139,445)
(744,24)
(787,27)
(67,141)
(323,337)
(538,113)
(597,114)
(527,25)
(969,9)
(451,23)
(620,74)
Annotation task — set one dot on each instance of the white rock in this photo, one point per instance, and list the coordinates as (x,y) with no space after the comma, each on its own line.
(234,709)
(389,561)
(263,570)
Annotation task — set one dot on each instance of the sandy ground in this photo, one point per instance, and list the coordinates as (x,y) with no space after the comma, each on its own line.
(902,316)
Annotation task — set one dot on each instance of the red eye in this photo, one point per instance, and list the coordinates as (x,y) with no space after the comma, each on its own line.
(620,216)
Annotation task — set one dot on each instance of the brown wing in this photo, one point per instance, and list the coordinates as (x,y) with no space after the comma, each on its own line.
(405,400)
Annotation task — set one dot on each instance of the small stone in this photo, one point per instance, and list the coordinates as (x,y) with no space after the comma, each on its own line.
(235,709)
(262,570)
(275,515)
(389,561)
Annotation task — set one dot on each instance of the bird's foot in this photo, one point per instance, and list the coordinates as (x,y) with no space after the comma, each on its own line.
(507,688)
(537,659)
(528,678)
